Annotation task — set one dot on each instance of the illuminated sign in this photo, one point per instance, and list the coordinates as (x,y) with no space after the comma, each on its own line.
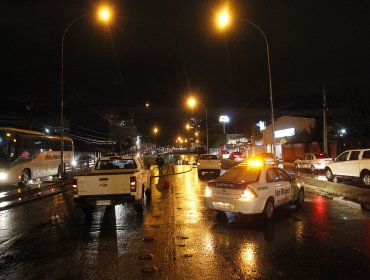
(284,132)
(224,119)
(261,125)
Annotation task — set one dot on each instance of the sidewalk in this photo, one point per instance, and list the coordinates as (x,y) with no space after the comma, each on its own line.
(354,194)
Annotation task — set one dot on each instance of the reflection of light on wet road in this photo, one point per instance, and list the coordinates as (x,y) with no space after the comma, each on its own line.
(319,214)
(208,242)
(192,202)
(299,229)
(248,256)
(3,204)
(2,194)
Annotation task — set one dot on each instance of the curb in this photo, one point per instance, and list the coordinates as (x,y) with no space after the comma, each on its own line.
(338,197)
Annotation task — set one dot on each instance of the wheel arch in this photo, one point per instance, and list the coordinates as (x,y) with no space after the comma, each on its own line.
(364,171)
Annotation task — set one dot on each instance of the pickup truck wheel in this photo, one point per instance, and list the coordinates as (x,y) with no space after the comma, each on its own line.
(365,178)
(139,203)
(329,175)
(300,198)
(268,211)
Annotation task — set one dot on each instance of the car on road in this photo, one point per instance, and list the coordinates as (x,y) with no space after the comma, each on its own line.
(352,164)
(237,156)
(312,161)
(253,189)
(113,180)
(208,164)
(85,161)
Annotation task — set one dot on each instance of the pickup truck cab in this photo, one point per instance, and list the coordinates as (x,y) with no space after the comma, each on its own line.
(208,164)
(113,180)
(350,164)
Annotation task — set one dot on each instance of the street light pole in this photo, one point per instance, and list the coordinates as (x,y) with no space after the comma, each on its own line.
(104,15)
(270,81)
(62,100)
(206,123)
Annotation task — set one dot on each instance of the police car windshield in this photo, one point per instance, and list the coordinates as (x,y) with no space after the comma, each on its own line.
(241,174)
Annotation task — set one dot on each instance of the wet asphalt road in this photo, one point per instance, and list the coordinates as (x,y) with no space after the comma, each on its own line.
(179,238)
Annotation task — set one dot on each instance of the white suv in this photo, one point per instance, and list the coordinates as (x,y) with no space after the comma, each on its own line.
(350,164)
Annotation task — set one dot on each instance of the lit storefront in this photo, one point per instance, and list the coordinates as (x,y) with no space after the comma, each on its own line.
(285,128)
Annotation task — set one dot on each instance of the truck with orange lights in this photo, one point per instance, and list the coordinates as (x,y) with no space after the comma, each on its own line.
(113,180)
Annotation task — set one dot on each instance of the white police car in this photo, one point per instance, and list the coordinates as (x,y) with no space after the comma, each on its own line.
(253,188)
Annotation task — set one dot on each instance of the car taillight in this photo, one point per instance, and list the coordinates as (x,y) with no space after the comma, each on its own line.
(74,187)
(248,193)
(133,184)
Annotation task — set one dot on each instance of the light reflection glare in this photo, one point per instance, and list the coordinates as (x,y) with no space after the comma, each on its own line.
(3,204)
(248,256)
(192,203)
(299,228)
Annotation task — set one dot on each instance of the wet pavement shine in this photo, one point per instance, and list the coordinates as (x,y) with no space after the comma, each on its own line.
(177,237)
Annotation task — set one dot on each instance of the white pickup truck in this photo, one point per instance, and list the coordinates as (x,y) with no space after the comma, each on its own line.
(113,180)
(208,164)
(350,164)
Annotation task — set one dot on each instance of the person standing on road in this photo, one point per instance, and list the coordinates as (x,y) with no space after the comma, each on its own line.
(160,162)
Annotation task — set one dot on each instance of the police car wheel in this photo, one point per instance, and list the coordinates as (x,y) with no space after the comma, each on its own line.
(268,211)
(300,198)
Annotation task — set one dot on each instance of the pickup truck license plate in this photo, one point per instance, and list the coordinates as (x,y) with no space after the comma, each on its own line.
(103,202)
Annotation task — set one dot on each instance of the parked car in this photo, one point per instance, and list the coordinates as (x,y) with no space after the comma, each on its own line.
(224,154)
(238,156)
(85,161)
(353,164)
(312,161)
(253,189)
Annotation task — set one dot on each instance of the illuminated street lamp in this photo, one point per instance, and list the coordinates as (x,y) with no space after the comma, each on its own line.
(192,102)
(104,15)
(223,20)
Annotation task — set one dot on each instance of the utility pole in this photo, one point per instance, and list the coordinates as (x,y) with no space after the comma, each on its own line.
(324,109)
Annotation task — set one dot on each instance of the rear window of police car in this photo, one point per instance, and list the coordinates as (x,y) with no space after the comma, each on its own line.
(241,174)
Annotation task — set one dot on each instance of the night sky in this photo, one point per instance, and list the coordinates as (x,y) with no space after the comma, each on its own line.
(155,51)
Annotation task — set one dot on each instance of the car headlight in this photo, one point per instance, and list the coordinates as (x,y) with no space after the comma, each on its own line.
(3,176)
